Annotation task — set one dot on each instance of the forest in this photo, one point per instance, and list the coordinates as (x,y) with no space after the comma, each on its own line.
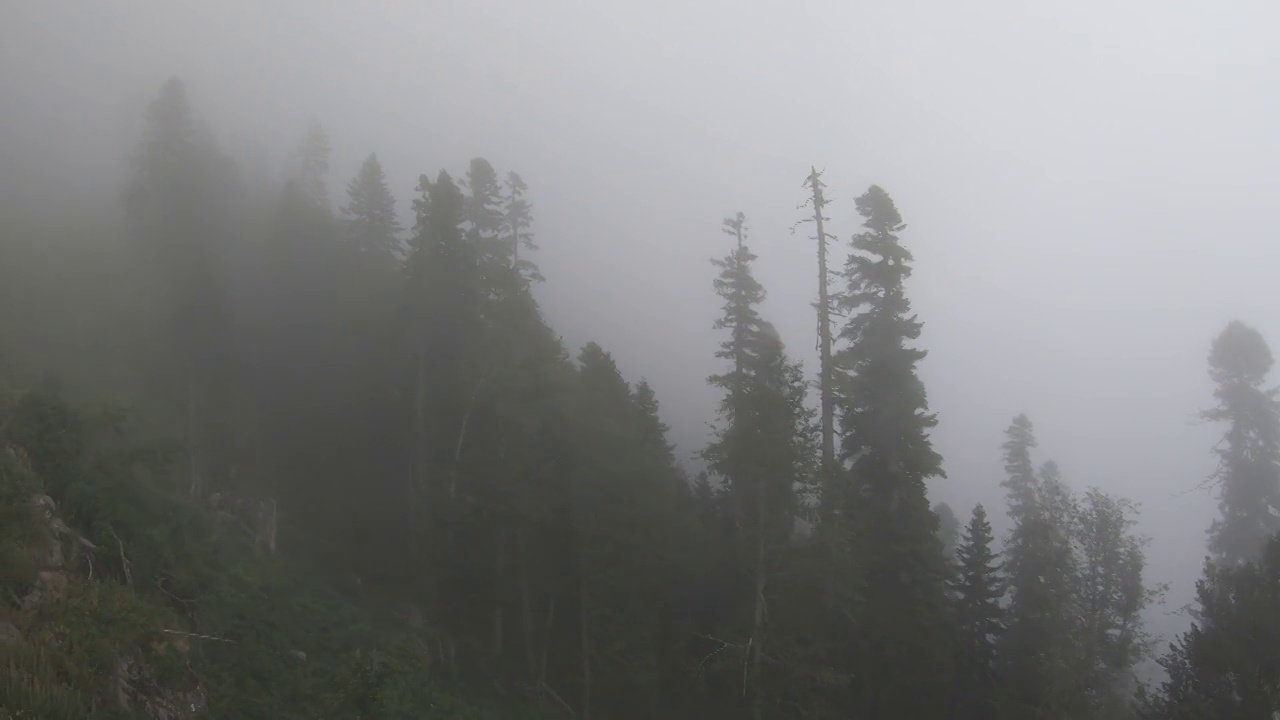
(266,455)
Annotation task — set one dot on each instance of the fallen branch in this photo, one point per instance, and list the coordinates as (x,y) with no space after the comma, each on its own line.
(197,635)
(124,560)
(547,688)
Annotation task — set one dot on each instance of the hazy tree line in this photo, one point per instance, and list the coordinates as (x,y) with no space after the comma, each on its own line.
(394,409)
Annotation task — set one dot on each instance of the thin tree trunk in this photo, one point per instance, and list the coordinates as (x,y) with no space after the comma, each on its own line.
(757,623)
(546,640)
(498,568)
(825,378)
(585,630)
(194,441)
(417,488)
(526,605)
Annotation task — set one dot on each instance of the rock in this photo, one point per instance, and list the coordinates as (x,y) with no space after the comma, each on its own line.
(59,528)
(45,504)
(47,551)
(9,632)
(50,586)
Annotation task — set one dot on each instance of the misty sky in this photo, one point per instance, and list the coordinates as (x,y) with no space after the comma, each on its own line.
(1089,186)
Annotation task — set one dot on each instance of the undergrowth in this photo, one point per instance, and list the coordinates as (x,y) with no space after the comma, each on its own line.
(169,615)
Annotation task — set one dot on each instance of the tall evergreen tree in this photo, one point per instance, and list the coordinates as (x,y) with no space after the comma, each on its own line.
(178,207)
(1037,648)
(518,217)
(1249,455)
(948,528)
(978,589)
(1112,597)
(885,422)
(761,451)
(370,213)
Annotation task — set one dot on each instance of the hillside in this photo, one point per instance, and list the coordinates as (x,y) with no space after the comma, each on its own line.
(122,598)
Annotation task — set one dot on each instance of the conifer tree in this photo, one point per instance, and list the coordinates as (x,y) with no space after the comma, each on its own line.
(885,423)
(1112,597)
(1249,455)
(518,219)
(760,449)
(310,166)
(1223,667)
(177,209)
(370,213)
(948,528)
(1037,651)
(978,589)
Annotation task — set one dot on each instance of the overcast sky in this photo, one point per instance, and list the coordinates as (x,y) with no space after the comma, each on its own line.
(1090,187)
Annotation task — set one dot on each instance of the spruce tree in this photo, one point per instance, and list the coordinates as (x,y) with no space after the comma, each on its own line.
(370,213)
(948,528)
(885,423)
(1249,454)
(760,449)
(177,210)
(518,219)
(1037,650)
(978,589)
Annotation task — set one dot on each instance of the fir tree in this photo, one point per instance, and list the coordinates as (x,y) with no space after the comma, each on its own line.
(978,589)
(885,423)
(370,213)
(1037,650)
(1249,454)
(761,449)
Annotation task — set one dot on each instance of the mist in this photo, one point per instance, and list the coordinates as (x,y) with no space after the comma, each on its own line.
(1088,191)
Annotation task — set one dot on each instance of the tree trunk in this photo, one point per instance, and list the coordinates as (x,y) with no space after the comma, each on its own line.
(418,481)
(499,564)
(825,378)
(585,630)
(194,439)
(757,622)
(526,606)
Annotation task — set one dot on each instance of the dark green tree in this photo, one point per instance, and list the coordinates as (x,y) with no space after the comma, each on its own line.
(979,589)
(761,450)
(178,206)
(899,563)
(1224,667)
(1249,454)
(1037,650)
(370,214)
(948,528)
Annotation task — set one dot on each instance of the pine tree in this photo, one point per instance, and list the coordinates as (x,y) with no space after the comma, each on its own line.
(978,589)
(1249,455)
(370,214)
(518,219)
(309,168)
(760,449)
(177,207)
(1223,668)
(885,423)
(1037,649)
(948,528)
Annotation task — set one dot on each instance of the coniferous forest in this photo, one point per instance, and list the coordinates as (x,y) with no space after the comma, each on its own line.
(269,456)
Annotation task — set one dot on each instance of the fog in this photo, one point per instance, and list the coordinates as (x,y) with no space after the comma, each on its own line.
(1089,188)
